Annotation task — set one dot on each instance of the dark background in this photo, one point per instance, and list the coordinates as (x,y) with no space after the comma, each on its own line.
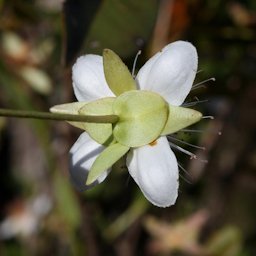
(40,211)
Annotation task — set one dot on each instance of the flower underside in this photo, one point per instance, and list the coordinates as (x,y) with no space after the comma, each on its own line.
(144,116)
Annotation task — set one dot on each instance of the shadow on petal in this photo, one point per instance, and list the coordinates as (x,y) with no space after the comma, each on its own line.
(81,157)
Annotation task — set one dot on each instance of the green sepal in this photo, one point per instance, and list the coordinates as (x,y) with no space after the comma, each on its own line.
(142,117)
(70,108)
(105,160)
(117,75)
(179,118)
(101,133)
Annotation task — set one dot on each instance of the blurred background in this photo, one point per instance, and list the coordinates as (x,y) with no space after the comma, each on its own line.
(40,211)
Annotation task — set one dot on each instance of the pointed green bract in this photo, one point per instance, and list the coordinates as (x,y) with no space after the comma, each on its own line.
(117,75)
(102,133)
(142,117)
(70,108)
(180,118)
(105,160)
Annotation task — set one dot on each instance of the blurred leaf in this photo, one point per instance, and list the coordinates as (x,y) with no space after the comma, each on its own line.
(122,26)
(15,96)
(37,79)
(14,248)
(14,46)
(67,202)
(2,123)
(78,16)
(1,4)
(137,208)
(180,236)
(225,242)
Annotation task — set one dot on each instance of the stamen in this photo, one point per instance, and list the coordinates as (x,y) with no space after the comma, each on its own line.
(134,63)
(183,169)
(185,143)
(193,103)
(208,117)
(192,156)
(192,130)
(186,172)
(199,71)
(201,84)
(185,179)
(199,131)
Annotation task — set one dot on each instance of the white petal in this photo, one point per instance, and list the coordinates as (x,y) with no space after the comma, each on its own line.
(155,170)
(88,78)
(170,72)
(82,155)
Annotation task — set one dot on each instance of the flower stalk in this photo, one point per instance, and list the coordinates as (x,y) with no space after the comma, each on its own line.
(59,116)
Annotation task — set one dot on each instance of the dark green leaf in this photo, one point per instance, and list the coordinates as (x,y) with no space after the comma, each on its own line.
(78,17)
(122,26)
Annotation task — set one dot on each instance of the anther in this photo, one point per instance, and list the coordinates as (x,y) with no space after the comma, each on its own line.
(153,143)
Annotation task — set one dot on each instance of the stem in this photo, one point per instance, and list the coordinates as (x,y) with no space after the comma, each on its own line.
(58,117)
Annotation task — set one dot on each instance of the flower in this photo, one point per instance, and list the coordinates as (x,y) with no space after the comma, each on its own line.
(148,109)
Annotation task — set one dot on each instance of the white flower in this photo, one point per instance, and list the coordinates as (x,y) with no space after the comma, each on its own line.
(170,73)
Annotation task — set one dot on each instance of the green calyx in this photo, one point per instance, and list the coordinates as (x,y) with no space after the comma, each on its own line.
(180,118)
(142,117)
(105,160)
(102,133)
(117,74)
